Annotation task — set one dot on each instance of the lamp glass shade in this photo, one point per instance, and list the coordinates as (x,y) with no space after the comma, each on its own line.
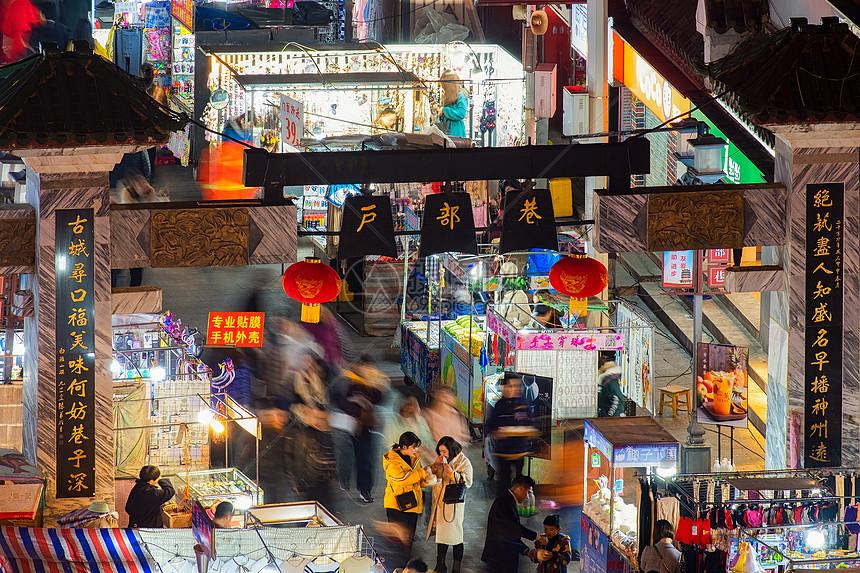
(708,154)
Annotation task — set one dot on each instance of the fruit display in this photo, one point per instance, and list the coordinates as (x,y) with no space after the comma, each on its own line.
(469,332)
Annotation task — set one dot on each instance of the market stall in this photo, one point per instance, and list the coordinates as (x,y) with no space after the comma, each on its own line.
(348,90)
(22,488)
(618,451)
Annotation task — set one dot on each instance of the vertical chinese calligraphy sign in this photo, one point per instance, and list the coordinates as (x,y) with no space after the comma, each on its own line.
(448,225)
(75,353)
(367,228)
(823,328)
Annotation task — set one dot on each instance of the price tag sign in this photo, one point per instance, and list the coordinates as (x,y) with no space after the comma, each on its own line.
(292,119)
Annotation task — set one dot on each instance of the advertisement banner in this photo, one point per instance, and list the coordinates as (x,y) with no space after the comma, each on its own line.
(239,329)
(578,340)
(498,325)
(656,93)
(183,10)
(721,385)
(648,455)
(822,433)
(291,114)
(455,374)
(678,269)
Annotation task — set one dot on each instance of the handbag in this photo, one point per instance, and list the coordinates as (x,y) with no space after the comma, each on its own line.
(455,492)
(406,501)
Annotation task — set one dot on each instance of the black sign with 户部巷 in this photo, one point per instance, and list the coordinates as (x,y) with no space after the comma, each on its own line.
(528,222)
(448,225)
(367,228)
(75,335)
(822,429)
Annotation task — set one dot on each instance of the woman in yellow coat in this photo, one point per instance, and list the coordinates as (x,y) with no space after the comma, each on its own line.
(405,477)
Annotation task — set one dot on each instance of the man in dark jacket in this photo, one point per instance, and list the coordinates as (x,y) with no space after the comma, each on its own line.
(509,446)
(504,544)
(146,498)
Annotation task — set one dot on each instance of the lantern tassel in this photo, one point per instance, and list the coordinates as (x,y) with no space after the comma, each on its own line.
(311,313)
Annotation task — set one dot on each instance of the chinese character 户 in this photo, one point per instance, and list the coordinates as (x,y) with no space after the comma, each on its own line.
(367,217)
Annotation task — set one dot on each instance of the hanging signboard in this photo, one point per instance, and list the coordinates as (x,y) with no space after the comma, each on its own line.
(528,222)
(239,329)
(75,337)
(823,354)
(448,225)
(678,269)
(291,114)
(579,340)
(367,228)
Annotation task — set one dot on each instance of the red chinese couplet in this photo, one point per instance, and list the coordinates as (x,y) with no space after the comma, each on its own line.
(235,329)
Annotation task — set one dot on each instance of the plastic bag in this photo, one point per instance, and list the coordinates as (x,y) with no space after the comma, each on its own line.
(431,27)
(312,14)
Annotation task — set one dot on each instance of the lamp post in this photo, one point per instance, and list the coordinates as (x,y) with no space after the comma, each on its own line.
(704,161)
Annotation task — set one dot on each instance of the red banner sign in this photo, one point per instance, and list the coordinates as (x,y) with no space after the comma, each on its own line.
(235,329)
(183,10)
(717,277)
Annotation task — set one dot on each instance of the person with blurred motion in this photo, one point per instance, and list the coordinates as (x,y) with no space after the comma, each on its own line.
(313,461)
(662,557)
(403,500)
(503,544)
(274,459)
(367,386)
(49,30)
(146,498)
(443,417)
(552,549)
(450,467)
(284,347)
(17,20)
(508,428)
(329,334)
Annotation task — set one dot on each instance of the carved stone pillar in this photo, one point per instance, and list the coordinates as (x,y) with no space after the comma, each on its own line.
(54,183)
(809,159)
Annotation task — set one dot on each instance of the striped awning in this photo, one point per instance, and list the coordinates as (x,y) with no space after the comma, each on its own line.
(38,550)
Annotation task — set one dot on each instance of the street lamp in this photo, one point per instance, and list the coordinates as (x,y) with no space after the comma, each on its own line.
(703,157)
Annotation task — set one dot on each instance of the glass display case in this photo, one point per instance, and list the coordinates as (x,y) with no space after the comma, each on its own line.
(617,451)
(159,386)
(781,548)
(225,483)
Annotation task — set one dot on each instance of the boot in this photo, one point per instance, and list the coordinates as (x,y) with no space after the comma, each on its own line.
(456,567)
(440,567)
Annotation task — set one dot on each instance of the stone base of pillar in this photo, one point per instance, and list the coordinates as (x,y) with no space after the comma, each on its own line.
(695,459)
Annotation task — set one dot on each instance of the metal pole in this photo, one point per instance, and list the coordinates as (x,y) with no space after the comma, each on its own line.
(695,431)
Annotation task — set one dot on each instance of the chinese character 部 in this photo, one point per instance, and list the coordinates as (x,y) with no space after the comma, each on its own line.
(449,215)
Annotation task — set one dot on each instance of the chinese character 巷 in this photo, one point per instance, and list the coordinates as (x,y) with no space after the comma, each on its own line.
(529,211)
(77,436)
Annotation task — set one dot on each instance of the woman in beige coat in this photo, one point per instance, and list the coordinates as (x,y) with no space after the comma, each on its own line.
(452,466)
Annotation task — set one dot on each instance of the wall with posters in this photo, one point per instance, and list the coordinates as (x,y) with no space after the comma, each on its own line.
(637,366)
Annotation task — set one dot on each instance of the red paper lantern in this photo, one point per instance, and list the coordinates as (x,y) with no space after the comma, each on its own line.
(579,277)
(311,283)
